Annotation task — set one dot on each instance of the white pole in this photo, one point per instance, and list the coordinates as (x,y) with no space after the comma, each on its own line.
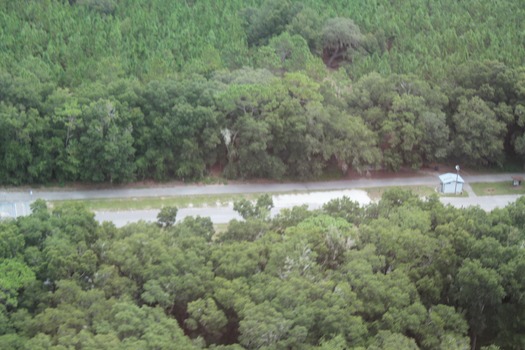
(457,177)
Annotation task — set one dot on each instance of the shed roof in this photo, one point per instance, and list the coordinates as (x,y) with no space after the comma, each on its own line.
(450,177)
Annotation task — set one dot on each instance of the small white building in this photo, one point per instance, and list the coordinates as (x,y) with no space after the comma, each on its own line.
(451,183)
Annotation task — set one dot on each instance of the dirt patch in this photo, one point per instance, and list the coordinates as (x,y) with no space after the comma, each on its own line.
(216,170)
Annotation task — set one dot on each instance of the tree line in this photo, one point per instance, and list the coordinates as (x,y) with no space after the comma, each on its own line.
(116,91)
(402,273)
(257,123)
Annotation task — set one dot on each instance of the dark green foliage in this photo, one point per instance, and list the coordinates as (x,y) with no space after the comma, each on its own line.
(404,273)
(341,38)
(167,216)
(106,144)
(261,209)
(478,134)
(14,275)
(105,7)
(407,115)
(268,21)
(113,91)
(345,208)
(307,24)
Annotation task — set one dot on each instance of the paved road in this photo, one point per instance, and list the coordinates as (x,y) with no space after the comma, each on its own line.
(188,190)
(12,200)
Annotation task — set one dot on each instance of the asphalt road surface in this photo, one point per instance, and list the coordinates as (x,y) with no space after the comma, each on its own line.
(189,190)
(15,202)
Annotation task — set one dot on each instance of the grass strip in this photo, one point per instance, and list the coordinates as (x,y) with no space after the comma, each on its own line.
(145,203)
(496,188)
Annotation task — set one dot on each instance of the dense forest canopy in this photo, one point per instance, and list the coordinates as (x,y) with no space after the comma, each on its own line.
(83,40)
(120,90)
(402,273)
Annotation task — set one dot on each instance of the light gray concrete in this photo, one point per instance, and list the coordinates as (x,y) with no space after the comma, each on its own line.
(14,209)
(7,210)
(487,203)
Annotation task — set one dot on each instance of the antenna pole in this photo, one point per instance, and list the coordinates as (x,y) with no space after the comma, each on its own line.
(457,177)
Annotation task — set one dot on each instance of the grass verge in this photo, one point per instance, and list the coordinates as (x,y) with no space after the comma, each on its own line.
(144,203)
(496,188)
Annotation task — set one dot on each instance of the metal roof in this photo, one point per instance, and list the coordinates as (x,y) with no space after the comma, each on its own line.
(450,177)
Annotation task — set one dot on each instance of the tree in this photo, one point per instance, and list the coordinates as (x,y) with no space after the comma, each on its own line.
(407,115)
(261,210)
(17,129)
(479,293)
(191,226)
(341,38)
(284,53)
(105,7)
(268,21)
(435,144)
(167,216)
(298,123)
(179,132)
(477,134)
(386,340)
(11,240)
(345,208)
(65,122)
(106,144)
(248,230)
(236,259)
(206,319)
(508,320)
(330,238)
(290,217)
(307,23)
(263,326)
(353,145)
(68,259)
(445,328)
(519,116)
(14,275)
(415,132)
(253,142)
